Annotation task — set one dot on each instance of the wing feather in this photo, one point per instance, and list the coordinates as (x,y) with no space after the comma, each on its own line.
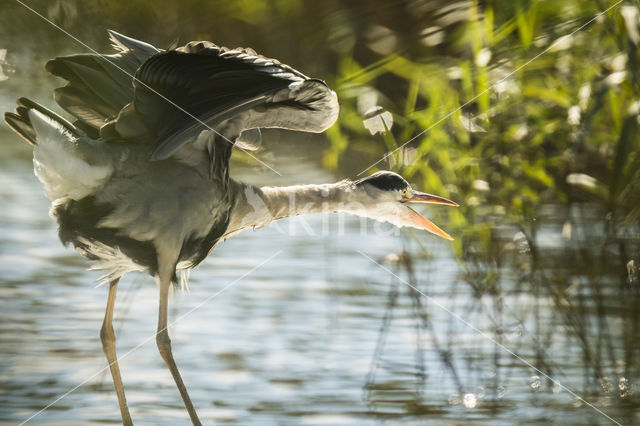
(177,94)
(99,85)
(201,86)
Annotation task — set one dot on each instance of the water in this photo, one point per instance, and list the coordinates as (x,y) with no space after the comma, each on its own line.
(302,339)
(292,339)
(534,324)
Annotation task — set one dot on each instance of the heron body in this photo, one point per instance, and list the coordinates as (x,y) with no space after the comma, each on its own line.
(140,180)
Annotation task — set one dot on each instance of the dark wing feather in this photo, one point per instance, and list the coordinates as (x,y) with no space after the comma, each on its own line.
(21,123)
(99,85)
(176,92)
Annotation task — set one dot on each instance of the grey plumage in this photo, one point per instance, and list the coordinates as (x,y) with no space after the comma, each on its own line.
(216,85)
(140,180)
(99,86)
(123,122)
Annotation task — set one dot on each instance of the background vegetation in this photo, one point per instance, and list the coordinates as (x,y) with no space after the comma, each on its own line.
(505,103)
(525,112)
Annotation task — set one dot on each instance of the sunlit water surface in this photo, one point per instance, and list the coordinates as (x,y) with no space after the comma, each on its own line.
(299,339)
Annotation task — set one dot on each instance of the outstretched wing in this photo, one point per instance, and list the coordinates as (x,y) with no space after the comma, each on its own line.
(202,87)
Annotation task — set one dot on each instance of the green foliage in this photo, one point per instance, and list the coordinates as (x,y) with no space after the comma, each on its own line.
(496,103)
(481,118)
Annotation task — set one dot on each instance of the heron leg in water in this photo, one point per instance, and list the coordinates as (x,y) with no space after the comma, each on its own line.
(164,346)
(108,338)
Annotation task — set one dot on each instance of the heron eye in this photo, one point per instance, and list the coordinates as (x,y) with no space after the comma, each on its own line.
(405,193)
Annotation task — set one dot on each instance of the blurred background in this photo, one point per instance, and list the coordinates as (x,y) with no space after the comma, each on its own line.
(543,156)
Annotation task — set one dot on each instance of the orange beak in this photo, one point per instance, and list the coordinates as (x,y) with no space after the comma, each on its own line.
(416,220)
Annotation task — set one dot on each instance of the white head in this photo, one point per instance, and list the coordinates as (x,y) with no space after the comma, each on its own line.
(384,196)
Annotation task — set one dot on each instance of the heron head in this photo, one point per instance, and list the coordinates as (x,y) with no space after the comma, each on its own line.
(385,197)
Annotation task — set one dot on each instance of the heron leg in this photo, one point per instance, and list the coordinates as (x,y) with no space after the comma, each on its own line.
(164,346)
(108,338)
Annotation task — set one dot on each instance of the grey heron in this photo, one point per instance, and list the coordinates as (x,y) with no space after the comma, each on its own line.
(139,181)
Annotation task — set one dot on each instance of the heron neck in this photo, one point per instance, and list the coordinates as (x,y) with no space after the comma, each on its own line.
(288,201)
(258,206)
